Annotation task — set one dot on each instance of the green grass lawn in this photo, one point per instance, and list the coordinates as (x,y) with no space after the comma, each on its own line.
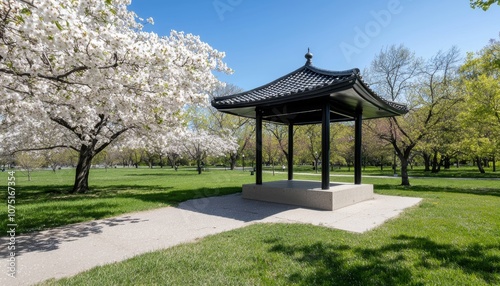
(44,202)
(451,238)
(453,172)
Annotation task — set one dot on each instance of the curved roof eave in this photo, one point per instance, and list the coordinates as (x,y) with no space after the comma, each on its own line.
(307,84)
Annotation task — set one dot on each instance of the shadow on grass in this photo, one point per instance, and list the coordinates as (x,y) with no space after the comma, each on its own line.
(174,197)
(456,173)
(434,189)
(44,193)
(51,239)
(46,216)
(166,174)
(390,264)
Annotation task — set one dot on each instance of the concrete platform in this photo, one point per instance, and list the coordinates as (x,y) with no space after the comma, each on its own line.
(309,194)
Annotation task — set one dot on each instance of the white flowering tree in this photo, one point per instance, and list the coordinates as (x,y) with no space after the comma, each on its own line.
(80,74)
(160,145)
(198,144)
(167,146)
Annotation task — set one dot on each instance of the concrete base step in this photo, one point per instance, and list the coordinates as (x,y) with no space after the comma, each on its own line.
(309,194)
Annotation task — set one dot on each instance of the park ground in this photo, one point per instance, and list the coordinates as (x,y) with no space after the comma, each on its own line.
(451,238)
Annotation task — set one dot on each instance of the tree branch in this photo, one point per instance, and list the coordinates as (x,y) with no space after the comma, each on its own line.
(63,123)
(62,77)
(44,148)
(111,140)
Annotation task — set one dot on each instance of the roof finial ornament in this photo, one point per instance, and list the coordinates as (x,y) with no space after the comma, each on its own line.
(308,57)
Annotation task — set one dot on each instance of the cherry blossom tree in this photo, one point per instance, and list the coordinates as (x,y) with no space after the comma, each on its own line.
(148,145)
(167,146)
(81,74)
(198,144)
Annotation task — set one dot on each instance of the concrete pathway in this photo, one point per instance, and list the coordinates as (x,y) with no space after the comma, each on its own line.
(68,250)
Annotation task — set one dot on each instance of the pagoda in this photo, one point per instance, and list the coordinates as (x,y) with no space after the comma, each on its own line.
(310,95)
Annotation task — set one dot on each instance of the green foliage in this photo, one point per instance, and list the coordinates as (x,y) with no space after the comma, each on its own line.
(480,117)
(58,25)
(26,11)
(483,4)
(428,89)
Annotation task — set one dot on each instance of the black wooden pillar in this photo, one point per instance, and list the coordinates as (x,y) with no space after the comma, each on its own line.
(290,151)
(358,120)
(325,147)
(258,147)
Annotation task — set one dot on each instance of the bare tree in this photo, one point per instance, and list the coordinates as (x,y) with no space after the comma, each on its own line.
(280,133)
(312,133)
(29,161)
(427,89)
(54,158)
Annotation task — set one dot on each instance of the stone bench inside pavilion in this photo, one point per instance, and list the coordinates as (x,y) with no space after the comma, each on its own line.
(310,95)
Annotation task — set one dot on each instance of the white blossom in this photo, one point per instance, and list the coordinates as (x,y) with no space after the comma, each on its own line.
(81,73)
(84,62)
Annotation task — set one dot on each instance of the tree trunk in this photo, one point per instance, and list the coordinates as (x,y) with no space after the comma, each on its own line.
(494,163)
(82,170)
(198,164)
(405,180)
(435,163)
(404,158)
(394,165)
(232,161)
(486,162)
(427,162)
(447,162)
(480,165)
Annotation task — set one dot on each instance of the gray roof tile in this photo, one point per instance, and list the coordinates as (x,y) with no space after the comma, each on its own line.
(306,78)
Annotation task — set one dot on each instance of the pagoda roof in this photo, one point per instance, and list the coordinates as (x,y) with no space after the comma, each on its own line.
(298,97)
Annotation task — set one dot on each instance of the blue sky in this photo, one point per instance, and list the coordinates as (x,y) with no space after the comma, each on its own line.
(264,40)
